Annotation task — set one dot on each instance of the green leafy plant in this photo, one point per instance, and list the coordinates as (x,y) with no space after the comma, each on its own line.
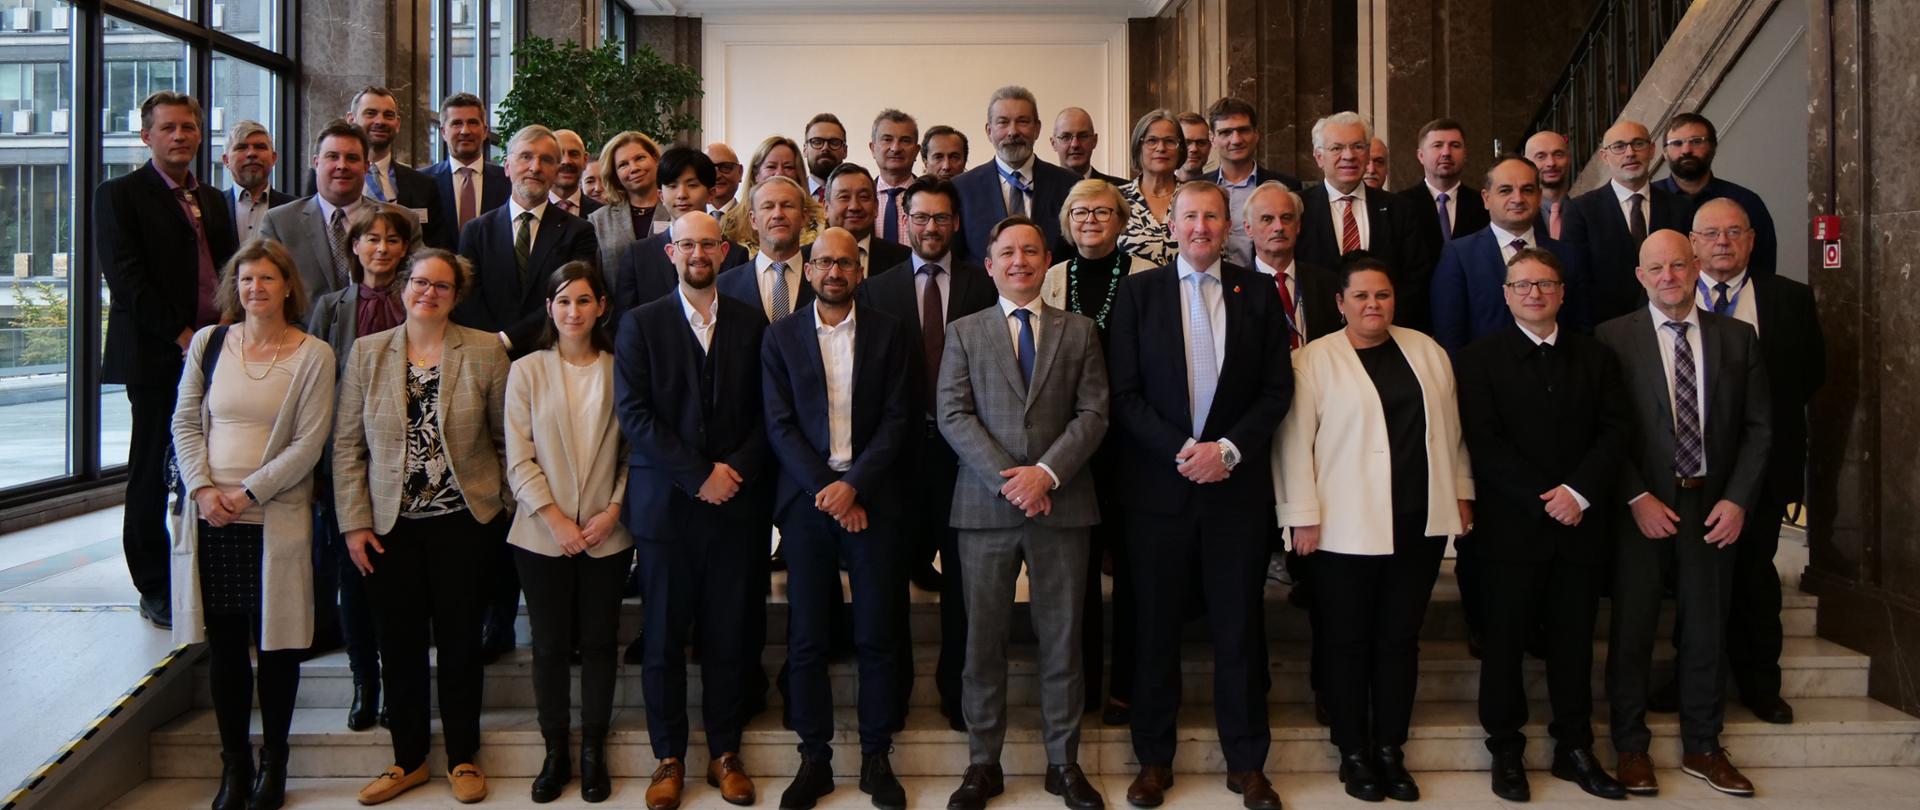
(42,315)
(598,94)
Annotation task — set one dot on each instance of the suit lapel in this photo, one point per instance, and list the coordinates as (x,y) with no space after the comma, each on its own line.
(1653,376)
(1005,354)
(1176,316)
(1053,323)
(544,242)
(1234,304)
(1490,265)
(449,374)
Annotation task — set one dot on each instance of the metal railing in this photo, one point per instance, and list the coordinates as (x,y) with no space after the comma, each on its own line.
(1607,65)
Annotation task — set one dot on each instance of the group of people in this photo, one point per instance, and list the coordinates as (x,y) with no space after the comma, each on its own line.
(449,389)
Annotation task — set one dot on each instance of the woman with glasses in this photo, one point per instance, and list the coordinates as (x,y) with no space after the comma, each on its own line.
(630,179)
(418,473)
(1158,151)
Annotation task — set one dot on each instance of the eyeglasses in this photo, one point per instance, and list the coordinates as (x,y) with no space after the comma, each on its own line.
(1621,147)
(1347,148)
(1713,234)
(1695,141)
(705,245)
(421,285)
(1100,214)
(1545,286)
(725,168)
(938,219)
(823,264)
(1157,142)
(827,143)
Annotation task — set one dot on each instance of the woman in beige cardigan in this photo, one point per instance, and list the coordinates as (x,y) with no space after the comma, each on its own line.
(567,465)
(417,475)
(247,441)
(1371,473)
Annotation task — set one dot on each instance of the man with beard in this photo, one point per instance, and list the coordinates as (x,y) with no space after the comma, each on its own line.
(852,204)
(1199,138)
(825,148)
(566,191)
(314,229)
(375,110)
(647,272)
(1548,151)
(1608,224)
(699,493)
(1469,301)
(249,160)
(895,142)
(726,177)
(1074,141)
(1376,175)
(468,185)
(1690,143)
(1016,182)
(943,151)
(772,282)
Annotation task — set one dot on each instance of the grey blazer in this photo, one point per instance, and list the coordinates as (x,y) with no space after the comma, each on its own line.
(302,228)
(335,319)
(994,422)
(613,225)
(370,427)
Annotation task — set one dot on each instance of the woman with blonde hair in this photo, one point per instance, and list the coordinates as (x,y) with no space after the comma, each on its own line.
(777,155)
(630,179)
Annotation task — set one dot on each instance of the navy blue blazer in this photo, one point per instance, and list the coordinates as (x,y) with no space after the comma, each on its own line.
(646,273)
(1469,302)
(1766,243)
(794,387)
(494,191)
(499,300)
(1147,369)
(982,206)
(1594,227)
(674,439)
(883,255)
(737,282)
(896,292)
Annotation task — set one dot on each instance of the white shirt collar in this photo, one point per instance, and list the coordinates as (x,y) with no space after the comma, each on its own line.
(326,208)
(514,211)
(692,312)
(1334,194)
(1621,192)
(1504,237)
(1268,269)
(1734,284)
(761,261)
(1434,191)
(1007,306)
(1186,269)
(578,195)
(479,165)
(1025,170)
(1552,338)
(1660,319)
(383,165)
(820,327)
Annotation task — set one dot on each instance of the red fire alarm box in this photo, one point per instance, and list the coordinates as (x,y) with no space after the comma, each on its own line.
(1826,228)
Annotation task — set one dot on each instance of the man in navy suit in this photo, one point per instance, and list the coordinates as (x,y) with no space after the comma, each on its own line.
(1689,144)
(468,186)
(1015,181)
(375,110)
(852,203)
(772,282)
(1200,379)
(1235,128)
(646,272)
(1468,300)
(1606,225)
(1442,152)
(1342,215)
(699,502)
(249,160)
(838,413)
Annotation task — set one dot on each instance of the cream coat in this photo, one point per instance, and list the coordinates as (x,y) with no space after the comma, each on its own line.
(1053,288)
(284,485)
(1331,463)
(545,466)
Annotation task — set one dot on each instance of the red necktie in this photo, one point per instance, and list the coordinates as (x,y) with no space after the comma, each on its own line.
(1286,301)
(1349,229)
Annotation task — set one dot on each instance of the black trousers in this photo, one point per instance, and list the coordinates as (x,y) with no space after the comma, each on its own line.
(1702,577)
(564,594)
(230,676)
(934,470)
(355,609)
(428,588)
(502,606)
(1370,608)
(714,571)
(1753,619)
(143,522)
(815,546)
(1228,550)
(1108,538)
(1520,596)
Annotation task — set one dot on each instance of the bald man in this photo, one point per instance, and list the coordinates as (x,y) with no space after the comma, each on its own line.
(566,191)
(1548,151)
(1608,224)
(1074,140)
(1697,392)
(727,171)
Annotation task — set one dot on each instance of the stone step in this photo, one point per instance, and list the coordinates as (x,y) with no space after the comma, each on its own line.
(1810,667)
(1446,736)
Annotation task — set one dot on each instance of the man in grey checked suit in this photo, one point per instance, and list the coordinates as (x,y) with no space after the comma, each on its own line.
(314,229)
(1023,401)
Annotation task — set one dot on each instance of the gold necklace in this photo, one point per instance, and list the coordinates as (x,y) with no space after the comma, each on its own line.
(271,365)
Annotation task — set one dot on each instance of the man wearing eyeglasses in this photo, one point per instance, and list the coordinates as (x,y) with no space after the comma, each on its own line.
(1467,303)
(825,148)
(1074,140)
(1342,215)
(1690,144)
(1606,225)
(1544,423)
(726,176)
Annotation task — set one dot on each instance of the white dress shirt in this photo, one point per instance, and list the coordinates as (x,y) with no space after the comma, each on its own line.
(1743,305)
(702,325)
(1453,201)
(1299,313)
(575,200)
(533,228)
(945,280)
(479,167)
(1025,170)
(1623,194)
(1007,308)
(1505,240)
(327,209)
(1216,305)
(1665,337)
(1339,211)
(836,357)
(763,275)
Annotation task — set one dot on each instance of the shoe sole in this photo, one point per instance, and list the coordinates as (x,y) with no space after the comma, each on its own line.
(1710,783)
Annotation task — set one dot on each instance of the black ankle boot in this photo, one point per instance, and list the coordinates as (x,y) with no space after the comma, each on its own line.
(1361,776)
(270,784)
(1394,777)
(555,772)
(236,781)
(595,785)
(365,710)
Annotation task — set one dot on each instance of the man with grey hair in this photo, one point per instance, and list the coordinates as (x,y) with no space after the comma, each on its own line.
(249,159)
(1074,141)
(895,142)
(1016,181)
(1342,215)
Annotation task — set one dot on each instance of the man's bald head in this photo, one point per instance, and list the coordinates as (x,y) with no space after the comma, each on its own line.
(1628,152)
(1548,151)
(1074,139)
(1668,271)
(834,267)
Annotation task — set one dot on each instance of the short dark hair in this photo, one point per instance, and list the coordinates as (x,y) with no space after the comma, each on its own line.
(403,225)
(462,100)
(341,128)
(1541,255)
(1361,261)
(1015,221)
(577,270)
(823,118)
(1191,117)
(846,169)
(938,131)
(929,184)
(1437,125)
(1227,107)
(373,90)
(1486,180)
(894,116)
(676,161)
(167,98)
(1685,118)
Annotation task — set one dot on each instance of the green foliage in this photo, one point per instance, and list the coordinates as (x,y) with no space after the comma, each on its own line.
(42,315)
(598,94)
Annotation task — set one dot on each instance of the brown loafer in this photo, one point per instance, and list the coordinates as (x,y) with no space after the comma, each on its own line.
(1149,789)
(469,784)
(668,780)
(730,776)
(1718,771)
(392,782)
(1636,773)
(1256,793)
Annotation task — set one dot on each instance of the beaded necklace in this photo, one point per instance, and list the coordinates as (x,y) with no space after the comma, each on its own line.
(1073,292)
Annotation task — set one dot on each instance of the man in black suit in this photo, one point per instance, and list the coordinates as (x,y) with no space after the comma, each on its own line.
(1307,292)
(646,272)
(1234,127)
(1342,215)
(1697,386)
(1607,225)
(699,503)
(772,282)
(839,412)
(852,203)
(1200,381)
(249,160)
(1016,181)
(567,191)
(1450,209)
(468,186)
(376,110)
(925,293)
(1541,546)
(1074,140)
(161,237)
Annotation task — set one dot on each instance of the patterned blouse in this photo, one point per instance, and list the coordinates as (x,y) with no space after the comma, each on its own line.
(430,488)
(1146,236)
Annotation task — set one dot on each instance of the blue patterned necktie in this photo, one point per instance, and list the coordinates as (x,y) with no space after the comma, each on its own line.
(1446,222)
(1688,445)
(1201,368)
(1026,344)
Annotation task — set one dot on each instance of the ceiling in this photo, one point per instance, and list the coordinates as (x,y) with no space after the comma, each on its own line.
(1108,9)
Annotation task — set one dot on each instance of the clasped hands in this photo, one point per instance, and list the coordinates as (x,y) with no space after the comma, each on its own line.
(839,501)
(1027,489)
(219,507)
(1200,462)
(1656,521)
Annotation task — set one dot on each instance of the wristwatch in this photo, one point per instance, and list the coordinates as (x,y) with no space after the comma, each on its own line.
(1229,456)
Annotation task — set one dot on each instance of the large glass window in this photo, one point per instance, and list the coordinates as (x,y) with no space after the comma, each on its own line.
(472,51)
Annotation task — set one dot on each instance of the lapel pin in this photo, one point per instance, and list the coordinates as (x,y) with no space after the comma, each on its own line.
(1236,289)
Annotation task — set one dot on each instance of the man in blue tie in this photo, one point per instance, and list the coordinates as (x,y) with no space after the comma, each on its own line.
(1015,182)
(375,110)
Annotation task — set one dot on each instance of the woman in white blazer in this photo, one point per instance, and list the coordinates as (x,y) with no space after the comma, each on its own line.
(567,466)
(1370,471)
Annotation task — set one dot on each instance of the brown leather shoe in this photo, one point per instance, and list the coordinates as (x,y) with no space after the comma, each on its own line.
(1636,773)
(1256,793)
(730,776)
(1717,769)
(1149,789)
(469,784)
(392,782)
(668,780)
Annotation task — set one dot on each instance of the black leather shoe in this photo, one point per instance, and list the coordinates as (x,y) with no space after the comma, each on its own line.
(814,780)
(1116,713)
(980,783)
(158,610)
(926,579)
(1578,765)
(1665,700)
(1510,777)
(1071,785)
(236,781)
(270,783)
(777,562)
(1394,776)
(877,780)
(385,721)
(365,710)
(595,784)
(1360,775)
(555,771)
(1771,710)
